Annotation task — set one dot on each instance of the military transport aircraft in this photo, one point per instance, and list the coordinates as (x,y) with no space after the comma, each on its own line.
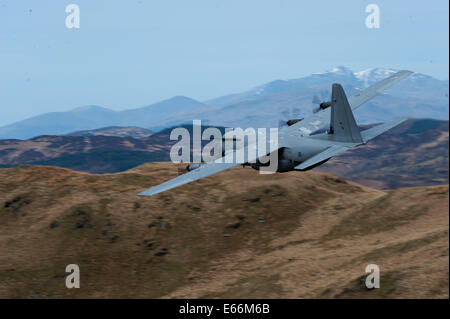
(299,146)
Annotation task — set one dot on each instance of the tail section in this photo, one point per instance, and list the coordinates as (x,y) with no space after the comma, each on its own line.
(343,125)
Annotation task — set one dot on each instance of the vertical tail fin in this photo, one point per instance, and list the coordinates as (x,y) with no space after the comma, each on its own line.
(343,125)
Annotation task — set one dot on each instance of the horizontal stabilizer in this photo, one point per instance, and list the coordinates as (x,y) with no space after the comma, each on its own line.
(379,129)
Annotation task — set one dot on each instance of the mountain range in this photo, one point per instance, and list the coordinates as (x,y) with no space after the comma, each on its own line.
(94,117)
(414,153)
(418,96)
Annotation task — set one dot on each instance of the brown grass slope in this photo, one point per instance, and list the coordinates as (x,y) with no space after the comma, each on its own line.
(238,234)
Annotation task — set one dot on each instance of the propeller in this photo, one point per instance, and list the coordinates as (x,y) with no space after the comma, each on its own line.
(290,115)
(319,100)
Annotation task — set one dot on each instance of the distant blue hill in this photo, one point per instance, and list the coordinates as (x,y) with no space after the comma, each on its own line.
(93,117)
(418,96)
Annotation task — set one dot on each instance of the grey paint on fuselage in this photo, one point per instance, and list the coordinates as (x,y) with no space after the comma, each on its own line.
(300,148)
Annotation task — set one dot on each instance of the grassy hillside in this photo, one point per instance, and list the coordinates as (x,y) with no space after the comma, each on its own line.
(238,234)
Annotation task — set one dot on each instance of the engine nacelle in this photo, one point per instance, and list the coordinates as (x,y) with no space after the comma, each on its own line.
(325,105)
(191,167)
(293,121)
(285,161)
(322,106)
(284,165)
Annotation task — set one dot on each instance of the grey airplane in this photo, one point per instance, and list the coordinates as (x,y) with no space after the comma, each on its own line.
(300,147)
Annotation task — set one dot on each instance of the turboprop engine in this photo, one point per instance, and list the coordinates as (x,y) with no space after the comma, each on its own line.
(322,106)
(191,167)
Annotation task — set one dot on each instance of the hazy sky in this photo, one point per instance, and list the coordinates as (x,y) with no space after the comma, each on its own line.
(128,54)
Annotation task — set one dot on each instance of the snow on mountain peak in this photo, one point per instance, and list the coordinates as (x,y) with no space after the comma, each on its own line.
(372,75)
(341,70)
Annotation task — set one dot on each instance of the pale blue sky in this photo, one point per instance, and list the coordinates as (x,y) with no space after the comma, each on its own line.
(129,54)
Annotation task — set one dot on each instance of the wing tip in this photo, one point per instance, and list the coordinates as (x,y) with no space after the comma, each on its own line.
(408,72)
(149,192)
(145,194)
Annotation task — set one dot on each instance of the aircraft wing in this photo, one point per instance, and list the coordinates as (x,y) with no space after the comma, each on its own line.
(321,157)
(365,95)
(321,119)
(219,165)
(196,174)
